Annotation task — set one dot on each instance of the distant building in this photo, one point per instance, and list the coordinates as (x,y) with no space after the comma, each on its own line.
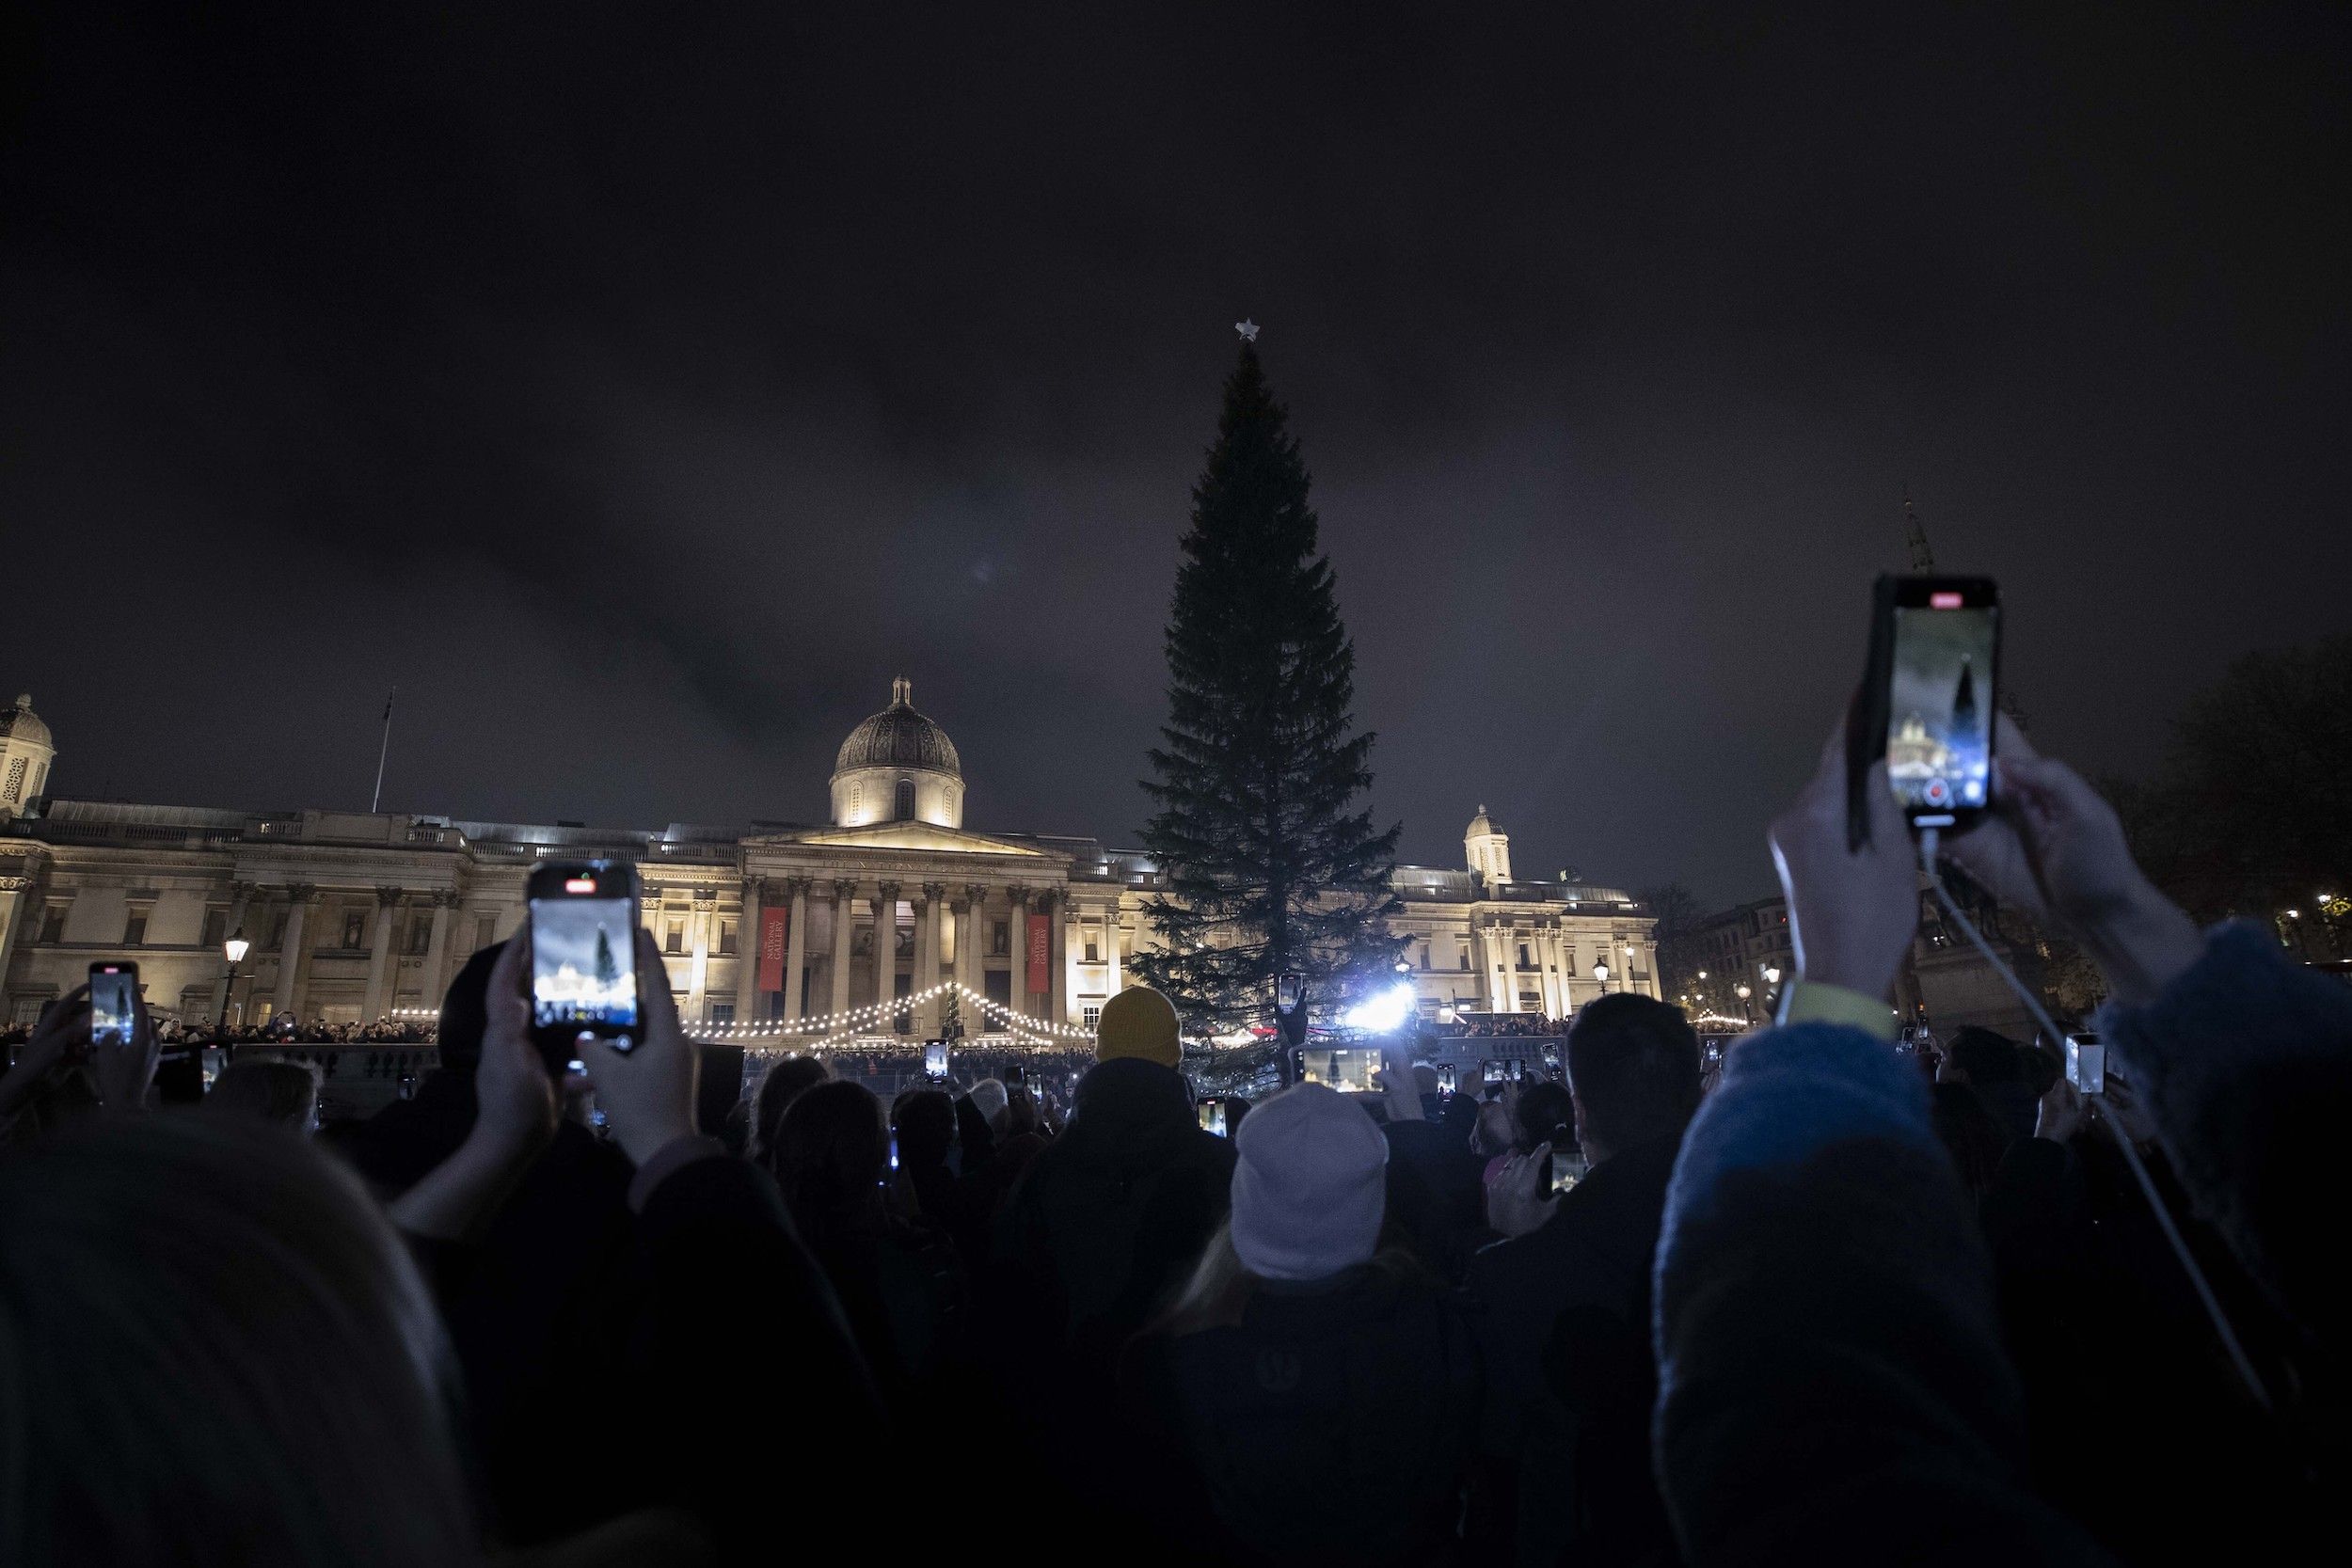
(1747,944)
(353,915)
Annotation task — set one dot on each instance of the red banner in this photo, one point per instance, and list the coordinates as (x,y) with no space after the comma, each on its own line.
(771,934)
(1040,953)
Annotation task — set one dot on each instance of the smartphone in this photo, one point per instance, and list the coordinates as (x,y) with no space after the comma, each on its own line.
(893,1148)
(2087,1063)
(114,994)
(1212,1113)
(935,1059)
(1493,1071)
(1012,1074)
(1287,989)
(1445,1078)
(1936,649)
(584,956)
(1566,1171)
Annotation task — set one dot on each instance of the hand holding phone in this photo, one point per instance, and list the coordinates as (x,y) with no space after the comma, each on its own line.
(584,959)
(124,1051)
(647,1091)
(1929,698)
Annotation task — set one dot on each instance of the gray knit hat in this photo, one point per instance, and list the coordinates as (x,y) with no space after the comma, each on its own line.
(1309,1187)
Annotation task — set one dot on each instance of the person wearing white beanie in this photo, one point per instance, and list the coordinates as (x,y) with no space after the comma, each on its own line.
(1321,1391)
(1310,1185)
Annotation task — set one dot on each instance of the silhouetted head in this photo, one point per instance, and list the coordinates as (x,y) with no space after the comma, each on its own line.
(284,1093)
(1633,1068)
(466,1012)
(216,1350)
(831,1157)
(925,1120)
(781,1084)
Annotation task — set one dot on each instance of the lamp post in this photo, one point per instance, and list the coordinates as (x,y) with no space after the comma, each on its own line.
(234,949)
(1771,987)
(1745,1006)
(1600,973)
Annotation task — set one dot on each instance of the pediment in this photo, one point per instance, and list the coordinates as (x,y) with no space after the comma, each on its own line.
(928,837)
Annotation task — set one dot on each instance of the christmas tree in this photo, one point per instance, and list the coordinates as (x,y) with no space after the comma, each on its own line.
(1270,860)
(608,972)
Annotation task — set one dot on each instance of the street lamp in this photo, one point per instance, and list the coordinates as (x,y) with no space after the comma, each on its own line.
(1744,993)
(234,949)
(1600,973)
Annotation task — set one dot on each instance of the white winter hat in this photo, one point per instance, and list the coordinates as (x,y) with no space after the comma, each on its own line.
(1310,1185)
(990,1098)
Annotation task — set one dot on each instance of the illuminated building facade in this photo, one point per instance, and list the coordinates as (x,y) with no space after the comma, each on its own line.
(355,916)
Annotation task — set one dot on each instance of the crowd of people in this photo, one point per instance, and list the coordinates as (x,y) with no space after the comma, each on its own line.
(1851,1304)
(278,1029)
(1483,1025)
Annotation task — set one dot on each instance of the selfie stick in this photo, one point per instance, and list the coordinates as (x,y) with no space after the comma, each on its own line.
(1928,839)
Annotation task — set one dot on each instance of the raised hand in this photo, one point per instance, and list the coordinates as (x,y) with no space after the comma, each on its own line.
(1518,1199)
(1851,912)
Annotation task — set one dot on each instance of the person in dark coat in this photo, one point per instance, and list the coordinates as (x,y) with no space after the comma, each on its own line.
(1093,1242)
(1563,1432)
(1322,1397)
(900,1288)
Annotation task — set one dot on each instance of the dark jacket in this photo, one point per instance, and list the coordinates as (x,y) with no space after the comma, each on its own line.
(1436,1194)
(2244,1062)
(1331,1425)
(1112,1214)
(1832,1383)
(1563,1332)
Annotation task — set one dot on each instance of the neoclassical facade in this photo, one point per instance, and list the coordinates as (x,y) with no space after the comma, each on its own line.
(822,929)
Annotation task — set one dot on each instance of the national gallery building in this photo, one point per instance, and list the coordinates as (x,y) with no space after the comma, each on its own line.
(822,929)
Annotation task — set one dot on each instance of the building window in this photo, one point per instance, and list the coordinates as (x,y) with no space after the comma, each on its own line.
(722,1012)
(52,922)
(1095,951)
(354,930)
(421,934)
(903,804)
(486,931)
(1523,962)
(726,941)
(135,928)
(14,787)
(1466,963)
(278,935)
(1090,1015)
(215,929)
(1424,954)
(1568,960)
(999,939)
(674,937)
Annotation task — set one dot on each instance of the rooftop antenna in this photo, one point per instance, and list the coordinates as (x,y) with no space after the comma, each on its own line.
(1915,535)
(376,802)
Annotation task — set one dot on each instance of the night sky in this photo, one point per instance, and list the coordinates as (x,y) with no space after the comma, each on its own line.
(642,387)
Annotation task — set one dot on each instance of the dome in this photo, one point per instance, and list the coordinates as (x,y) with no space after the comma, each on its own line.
(1480,825)
(18,722)
(898,736)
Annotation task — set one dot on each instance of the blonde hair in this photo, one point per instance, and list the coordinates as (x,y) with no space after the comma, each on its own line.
(212,1349)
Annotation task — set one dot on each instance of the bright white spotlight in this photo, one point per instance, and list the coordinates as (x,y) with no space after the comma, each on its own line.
(1383,1011)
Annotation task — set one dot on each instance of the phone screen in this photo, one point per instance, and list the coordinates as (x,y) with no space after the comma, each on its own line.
(114,990)
(935,1059)
(1940,703)
(583,963)
(1212,1113)
(1286,992)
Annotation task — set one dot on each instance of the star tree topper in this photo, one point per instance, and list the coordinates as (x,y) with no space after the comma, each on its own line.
(1248,330)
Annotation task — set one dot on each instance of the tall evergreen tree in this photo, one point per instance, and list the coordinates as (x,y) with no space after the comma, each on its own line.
(1272,862)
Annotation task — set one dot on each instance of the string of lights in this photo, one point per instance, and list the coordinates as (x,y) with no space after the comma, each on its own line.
(824,1027)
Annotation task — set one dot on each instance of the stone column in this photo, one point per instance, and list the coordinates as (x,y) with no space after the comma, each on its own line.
(795,948)
(704,914)
(239,894)
(1064,923)
(749,1003)
(926,935)
(379,950)
(885,949)
(842,921)
(1017,928)
(437,946)
(968,922)
(14,891)
(290,953)
(1114,975)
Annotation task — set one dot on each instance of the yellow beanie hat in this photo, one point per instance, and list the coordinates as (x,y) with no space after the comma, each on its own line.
(1139,1022)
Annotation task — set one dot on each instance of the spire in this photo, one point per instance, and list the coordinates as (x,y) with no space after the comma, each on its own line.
(1915,535)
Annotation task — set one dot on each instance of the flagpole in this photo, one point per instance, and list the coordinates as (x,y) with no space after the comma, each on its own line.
(385,750)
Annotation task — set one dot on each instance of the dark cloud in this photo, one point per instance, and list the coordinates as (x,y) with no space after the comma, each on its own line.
(642,388)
